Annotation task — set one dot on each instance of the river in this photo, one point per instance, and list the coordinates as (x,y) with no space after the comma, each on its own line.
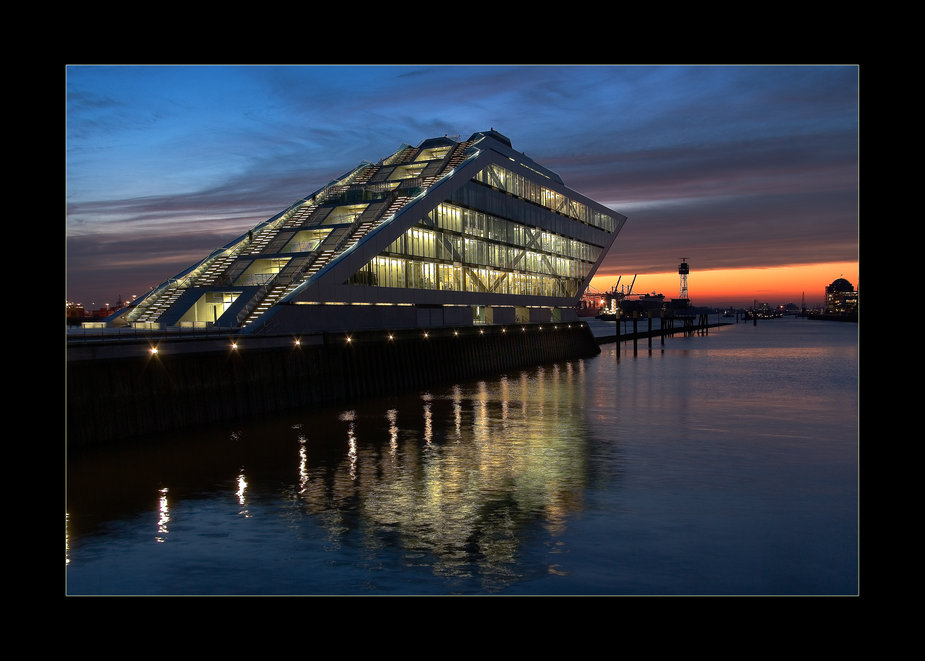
(715,464)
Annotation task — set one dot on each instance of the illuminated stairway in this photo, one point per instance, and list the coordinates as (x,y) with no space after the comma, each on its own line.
(261,240)
(223,267)
(301,215)
(267,301)
(403,155)
(336,244)
(160,304)
(286,281)
(155,304)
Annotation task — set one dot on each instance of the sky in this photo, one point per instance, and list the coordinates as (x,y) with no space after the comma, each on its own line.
(750,173)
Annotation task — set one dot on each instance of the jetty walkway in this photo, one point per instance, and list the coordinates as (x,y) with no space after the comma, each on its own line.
(605,332)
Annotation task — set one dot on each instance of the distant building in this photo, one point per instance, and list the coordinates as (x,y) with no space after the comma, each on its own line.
(644,305)
(841,298)
(447,233)
(592,303)
(75,313)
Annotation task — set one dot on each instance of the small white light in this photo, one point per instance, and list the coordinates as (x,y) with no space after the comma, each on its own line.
(153,350)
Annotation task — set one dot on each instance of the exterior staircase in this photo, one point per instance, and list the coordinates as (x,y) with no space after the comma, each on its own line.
(221,268)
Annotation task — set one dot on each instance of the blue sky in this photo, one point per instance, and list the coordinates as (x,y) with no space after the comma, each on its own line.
(730,166)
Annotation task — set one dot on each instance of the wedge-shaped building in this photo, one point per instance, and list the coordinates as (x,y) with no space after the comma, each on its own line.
(448,233)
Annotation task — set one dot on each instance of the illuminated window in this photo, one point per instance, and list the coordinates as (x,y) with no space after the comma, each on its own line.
(208,308)
(261,271)
(306,241)
(433,154)
(509,182)
(344,214)
(409,171)
(477,252)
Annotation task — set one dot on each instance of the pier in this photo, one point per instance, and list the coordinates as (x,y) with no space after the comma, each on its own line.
(668,326)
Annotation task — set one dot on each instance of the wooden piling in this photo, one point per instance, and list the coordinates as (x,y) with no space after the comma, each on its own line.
(635,330)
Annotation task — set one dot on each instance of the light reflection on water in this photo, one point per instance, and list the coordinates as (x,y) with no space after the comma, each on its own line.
(724,464)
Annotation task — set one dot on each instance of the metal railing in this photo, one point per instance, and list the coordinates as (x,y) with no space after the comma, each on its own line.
(78,336)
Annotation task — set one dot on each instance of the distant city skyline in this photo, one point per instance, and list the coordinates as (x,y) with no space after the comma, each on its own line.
(722,288)
(750,172)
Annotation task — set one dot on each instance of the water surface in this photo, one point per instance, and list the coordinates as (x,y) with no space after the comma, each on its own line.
(719,464)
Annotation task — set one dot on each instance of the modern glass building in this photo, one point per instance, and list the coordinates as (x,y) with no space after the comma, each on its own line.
(448,233)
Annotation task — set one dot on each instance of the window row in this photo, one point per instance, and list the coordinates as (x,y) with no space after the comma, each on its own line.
(515,184)
(447,247)
(482,225)
(417,274)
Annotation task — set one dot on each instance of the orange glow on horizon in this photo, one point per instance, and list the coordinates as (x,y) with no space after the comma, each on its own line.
(741,287)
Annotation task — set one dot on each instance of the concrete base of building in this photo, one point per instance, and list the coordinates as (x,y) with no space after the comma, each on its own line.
(328,317)
(133,393)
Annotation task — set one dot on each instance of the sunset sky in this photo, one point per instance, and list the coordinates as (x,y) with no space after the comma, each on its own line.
(749,172)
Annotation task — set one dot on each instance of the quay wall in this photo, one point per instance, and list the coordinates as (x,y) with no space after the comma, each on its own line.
(121,390)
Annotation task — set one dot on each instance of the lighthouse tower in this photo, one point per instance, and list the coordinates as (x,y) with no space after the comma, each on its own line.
(683,271)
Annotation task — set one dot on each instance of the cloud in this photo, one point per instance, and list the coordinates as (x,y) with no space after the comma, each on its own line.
(738,166)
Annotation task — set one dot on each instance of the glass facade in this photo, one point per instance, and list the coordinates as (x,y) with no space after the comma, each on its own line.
(519,186)
(306,241)
(455,248)
(261,271)
(345,214)
(459,249)
(502,230)
(208,308)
